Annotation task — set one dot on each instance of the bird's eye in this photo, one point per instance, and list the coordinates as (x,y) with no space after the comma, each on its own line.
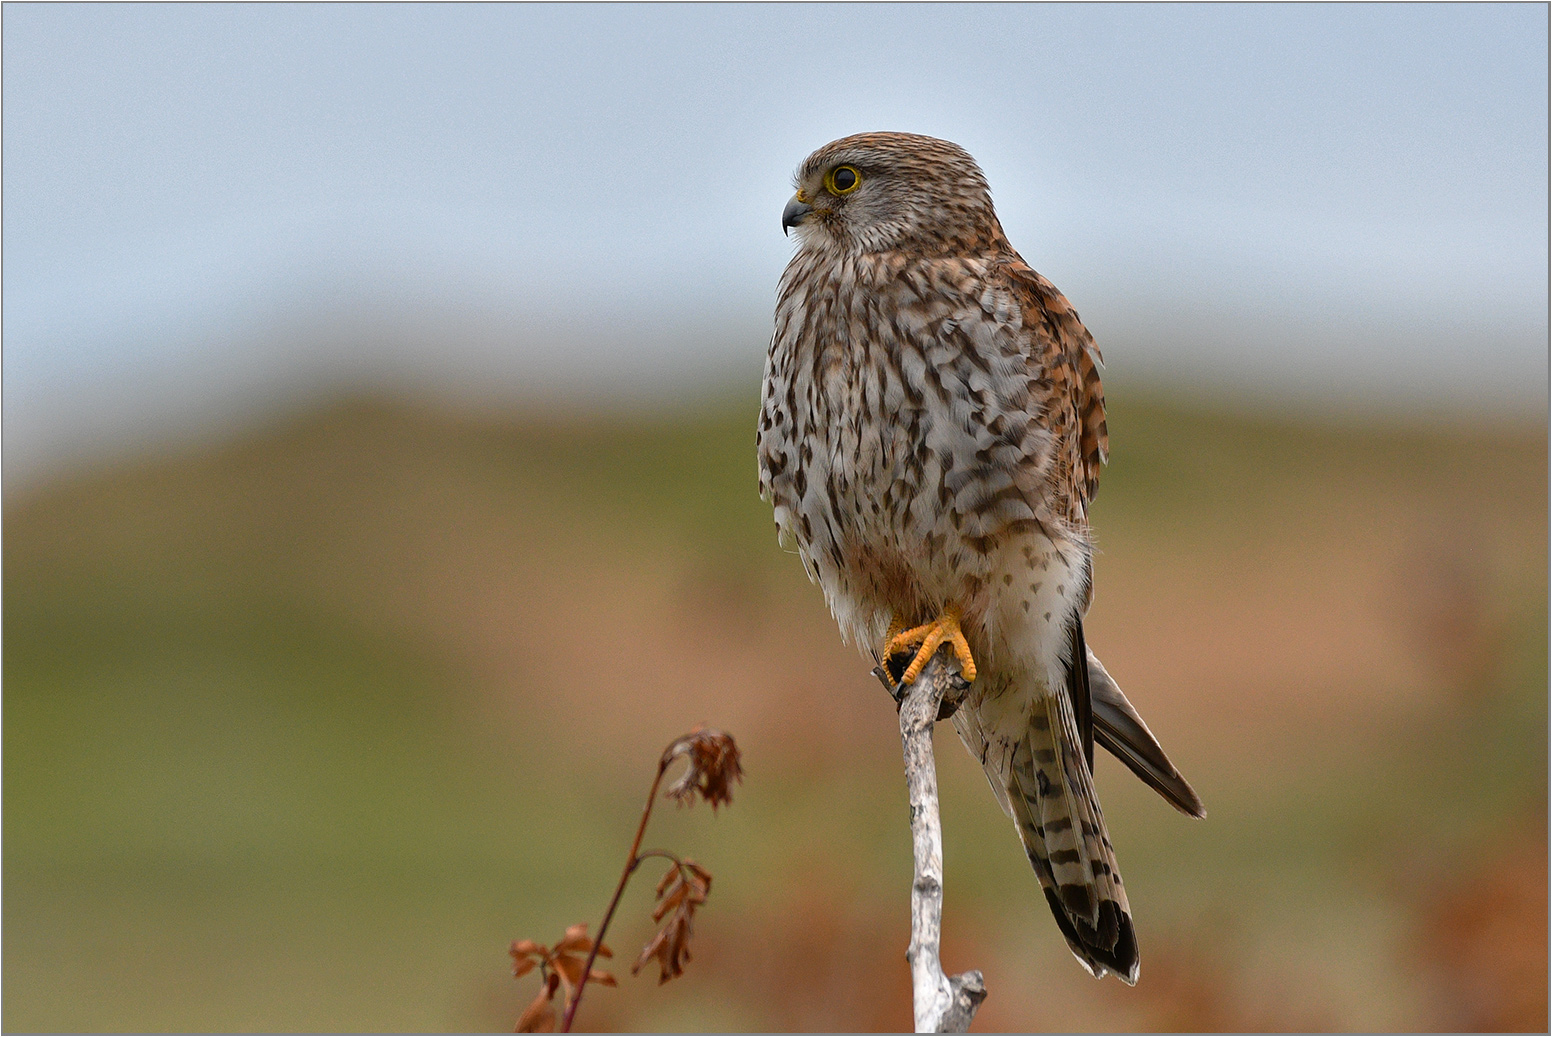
(842,180)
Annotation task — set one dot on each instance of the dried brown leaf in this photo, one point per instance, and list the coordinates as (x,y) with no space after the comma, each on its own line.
(539,1016)
(575,940)
(680,892)
(665,906)
(525,955)
(669,903)
(674,892)
(669,947)
(569,969)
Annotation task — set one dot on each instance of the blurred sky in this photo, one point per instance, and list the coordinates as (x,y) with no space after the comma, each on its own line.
(210,207)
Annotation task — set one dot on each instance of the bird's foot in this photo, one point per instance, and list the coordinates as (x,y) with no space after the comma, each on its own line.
(930,637)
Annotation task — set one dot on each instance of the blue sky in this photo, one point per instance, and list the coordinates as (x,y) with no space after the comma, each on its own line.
(210,207)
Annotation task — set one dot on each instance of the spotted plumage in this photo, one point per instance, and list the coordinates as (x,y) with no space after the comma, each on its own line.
(930,436)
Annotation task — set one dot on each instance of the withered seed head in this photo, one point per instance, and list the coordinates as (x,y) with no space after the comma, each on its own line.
(713,766)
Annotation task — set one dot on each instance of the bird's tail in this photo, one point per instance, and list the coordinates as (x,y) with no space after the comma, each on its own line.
(1051,795)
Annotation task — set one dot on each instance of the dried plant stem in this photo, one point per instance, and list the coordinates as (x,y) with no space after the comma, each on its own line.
(632,862)
(941,1004)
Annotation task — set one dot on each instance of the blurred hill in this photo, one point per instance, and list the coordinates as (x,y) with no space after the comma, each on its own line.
(304,726)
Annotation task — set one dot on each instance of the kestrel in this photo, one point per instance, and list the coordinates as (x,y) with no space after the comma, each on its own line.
(931,433)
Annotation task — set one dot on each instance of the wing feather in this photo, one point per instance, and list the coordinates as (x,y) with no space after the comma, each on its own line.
(1064,380)
(1120,730)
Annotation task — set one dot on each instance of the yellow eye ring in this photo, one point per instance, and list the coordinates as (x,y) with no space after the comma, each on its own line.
(842,180)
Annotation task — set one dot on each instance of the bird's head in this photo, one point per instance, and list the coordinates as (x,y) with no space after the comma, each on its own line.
(876,192)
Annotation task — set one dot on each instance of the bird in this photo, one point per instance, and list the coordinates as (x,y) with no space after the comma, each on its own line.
(931,433)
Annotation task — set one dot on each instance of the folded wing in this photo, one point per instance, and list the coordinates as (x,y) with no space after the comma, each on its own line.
(1121,731)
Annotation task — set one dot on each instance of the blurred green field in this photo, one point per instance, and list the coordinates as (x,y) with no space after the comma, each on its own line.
(303,727)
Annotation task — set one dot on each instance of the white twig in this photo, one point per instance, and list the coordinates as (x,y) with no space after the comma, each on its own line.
(942,1004)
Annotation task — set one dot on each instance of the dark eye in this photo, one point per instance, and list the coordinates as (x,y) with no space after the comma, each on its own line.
(843,179)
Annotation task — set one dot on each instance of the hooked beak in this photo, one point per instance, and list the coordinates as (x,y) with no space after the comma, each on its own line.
(795,213)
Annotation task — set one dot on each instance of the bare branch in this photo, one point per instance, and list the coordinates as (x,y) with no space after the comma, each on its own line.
(942,1004)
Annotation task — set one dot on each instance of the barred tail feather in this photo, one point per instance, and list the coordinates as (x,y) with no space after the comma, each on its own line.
(1060,824)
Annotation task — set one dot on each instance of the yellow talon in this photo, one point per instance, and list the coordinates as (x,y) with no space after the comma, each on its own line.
(930,636)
